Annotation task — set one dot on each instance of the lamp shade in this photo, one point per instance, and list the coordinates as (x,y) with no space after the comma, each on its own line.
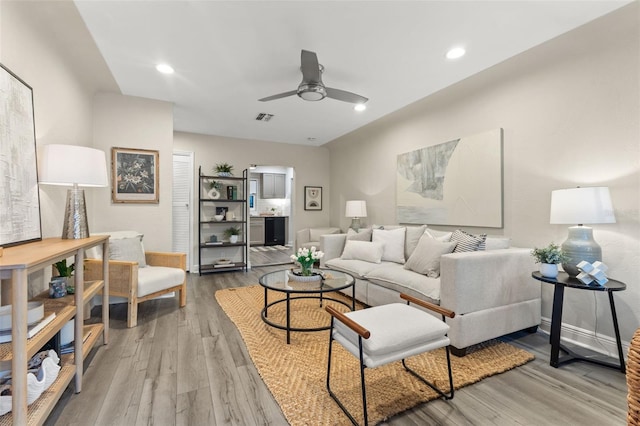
(581,205)
(70,164)
(356,208)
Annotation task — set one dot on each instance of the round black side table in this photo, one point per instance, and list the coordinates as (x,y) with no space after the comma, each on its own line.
(560,282)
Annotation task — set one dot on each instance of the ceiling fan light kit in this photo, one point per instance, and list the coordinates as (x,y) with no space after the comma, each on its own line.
(312,88)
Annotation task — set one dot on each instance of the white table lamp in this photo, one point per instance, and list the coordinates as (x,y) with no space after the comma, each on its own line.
(355,210)
(580,206)
(76,166)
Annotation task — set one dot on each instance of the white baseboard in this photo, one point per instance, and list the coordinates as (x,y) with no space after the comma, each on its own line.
(587,339)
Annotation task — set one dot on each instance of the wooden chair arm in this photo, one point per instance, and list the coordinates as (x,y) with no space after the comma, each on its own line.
(427,305)
(348,322)
(172,260)
(93,268)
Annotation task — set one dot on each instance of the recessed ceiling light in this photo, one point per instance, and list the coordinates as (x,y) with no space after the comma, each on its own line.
(360,107)
(164,68)
(456,52)
(311,139)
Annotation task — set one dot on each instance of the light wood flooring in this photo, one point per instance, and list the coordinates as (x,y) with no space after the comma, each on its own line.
(190,367)
(270,255)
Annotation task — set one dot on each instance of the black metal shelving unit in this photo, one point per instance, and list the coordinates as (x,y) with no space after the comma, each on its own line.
(212,254)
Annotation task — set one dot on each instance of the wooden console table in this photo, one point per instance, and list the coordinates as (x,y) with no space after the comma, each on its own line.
(16,264)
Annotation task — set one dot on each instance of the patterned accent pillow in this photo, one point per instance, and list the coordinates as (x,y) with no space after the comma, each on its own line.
(468,242)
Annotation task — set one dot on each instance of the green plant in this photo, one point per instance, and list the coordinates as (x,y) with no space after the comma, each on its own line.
(550,254)
(224,168)
(214,184)
(63,269)
(231,231)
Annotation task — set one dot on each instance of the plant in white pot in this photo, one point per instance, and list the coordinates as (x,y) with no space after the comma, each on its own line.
(223,169)
(232,234)
(549,257)
(65,274)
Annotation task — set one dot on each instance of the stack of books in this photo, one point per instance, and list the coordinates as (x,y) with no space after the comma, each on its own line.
(33,329)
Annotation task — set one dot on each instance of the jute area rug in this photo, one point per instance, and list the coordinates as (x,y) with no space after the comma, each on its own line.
(296,373)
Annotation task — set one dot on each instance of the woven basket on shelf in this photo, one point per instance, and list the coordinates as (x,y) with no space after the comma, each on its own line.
(633,380)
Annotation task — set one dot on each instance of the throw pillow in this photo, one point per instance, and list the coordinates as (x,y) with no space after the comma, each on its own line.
(393,243)
(439,235)
(425,259)
(362,250)
(468,242)
(361,235)
(96,252)
(129,249)
(411,238)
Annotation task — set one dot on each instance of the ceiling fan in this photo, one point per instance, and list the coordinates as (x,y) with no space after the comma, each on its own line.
(312,88)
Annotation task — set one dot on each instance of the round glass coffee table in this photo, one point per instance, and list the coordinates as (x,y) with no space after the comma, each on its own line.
(285,283)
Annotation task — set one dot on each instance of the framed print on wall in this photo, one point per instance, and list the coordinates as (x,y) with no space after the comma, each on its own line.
(313,198)
(134,176)
(19,196)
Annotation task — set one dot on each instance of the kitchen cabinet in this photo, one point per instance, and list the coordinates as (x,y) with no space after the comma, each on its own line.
(256,231)
(273,185)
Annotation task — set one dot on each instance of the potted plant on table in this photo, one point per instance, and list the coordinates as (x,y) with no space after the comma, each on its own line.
(306,258)
(224,169)
(232,234)
(65,275)
(549,257)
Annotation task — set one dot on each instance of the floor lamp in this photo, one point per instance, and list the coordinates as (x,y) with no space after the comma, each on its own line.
(76,166)
(579,206)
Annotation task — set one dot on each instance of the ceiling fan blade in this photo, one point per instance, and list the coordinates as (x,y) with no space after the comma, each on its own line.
(278,96)
(310,68)
(344,96)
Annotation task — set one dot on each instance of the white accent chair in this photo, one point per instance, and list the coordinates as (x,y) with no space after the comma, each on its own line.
(137,275)
(388,333)
(310,237)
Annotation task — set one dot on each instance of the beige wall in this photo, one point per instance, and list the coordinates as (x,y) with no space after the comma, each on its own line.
(569,110)
(310,164)
(130,122)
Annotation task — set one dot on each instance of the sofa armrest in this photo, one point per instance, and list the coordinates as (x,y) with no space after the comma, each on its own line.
(332,246)
(123,276)
(480,280)
(302,236)
(172,260)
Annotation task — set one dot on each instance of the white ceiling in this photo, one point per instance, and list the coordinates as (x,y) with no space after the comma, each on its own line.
(228,54)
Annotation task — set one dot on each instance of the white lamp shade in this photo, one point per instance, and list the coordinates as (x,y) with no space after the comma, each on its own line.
(70,164)
(356,208)
(581,205)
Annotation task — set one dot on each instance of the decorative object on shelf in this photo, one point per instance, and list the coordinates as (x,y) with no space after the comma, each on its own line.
(65,274)
(35,313)
(134,175)
(232,192)
(297,275)
(218,217)
(18,172)
(75,166)
(232,234)
(58,287)
(224,169)
(579,206)
(356,209)
(222,211)
(214,189)
(313,198)
(231,216)
(590,272)
(306,258)
(549,257)
(213,194)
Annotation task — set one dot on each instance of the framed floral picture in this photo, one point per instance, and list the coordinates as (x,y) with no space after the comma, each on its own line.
(134,175)
(313,198)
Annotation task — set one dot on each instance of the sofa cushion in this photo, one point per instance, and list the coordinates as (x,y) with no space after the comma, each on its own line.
(128,249)
(439,235)
(362,250)
(393,243)
(496,243)
(357,268)
(156,278)
(426,257)
(468,242)
(362,234)
(411,238)
(393,276)
(314,233)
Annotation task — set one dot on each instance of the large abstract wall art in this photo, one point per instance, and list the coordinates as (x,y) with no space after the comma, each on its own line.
(456,183)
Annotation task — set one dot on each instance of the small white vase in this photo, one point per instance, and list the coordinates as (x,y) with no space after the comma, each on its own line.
(233,239)
(549,270)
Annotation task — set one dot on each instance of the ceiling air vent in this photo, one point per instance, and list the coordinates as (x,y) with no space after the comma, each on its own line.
(263,116)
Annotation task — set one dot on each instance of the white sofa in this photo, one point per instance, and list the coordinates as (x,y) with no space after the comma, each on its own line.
(310,237)
(491,291)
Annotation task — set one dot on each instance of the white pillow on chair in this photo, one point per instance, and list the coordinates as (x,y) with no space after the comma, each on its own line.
(129,249)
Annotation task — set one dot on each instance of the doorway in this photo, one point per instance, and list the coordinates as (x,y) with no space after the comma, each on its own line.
(271,215)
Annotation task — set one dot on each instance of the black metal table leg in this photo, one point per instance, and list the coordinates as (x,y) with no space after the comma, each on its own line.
(265,302)
(288,318)
(617,331)
(556,324)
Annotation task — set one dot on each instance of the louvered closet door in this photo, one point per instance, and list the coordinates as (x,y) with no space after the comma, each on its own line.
(182,184)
